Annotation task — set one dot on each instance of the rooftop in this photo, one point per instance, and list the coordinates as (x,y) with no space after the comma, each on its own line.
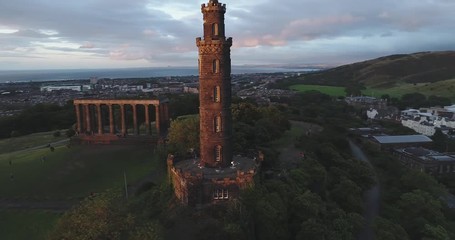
(426,154)
(241,164)
(402,139)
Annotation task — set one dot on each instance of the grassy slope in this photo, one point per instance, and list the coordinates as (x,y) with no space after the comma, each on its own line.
(71,172)
(389,72)
(329,90)
(32,140)
(442,89)
(65,173)
(16,225)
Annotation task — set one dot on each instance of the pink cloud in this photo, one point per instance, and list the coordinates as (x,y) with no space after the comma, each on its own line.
(308,29)
(124,52)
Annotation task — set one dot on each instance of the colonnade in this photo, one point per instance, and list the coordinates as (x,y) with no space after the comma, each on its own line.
(91,116)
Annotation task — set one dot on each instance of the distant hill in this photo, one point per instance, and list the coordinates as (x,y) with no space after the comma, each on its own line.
(387,72)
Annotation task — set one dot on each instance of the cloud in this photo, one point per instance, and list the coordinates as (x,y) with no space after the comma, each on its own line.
(87,45)
(161,33)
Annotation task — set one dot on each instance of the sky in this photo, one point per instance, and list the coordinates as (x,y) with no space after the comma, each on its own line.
(77,34)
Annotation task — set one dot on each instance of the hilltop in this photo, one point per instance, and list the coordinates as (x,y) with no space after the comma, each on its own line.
(389,71)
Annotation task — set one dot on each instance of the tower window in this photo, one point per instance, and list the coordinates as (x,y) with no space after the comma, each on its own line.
(217,124)
(216,66)
(218,155)
(219,194)
(215,29)
(216,94)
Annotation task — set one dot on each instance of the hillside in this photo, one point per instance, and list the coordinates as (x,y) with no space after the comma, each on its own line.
(390,71)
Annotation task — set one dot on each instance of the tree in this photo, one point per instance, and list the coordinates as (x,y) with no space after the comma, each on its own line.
(245,112)
(438,101)
(354,89)
(184,134)
(417,209)
(440,141)
(100,217)
(348,195)
(414,100)
(70,132)
(435,233)
(387,230)
(414,180)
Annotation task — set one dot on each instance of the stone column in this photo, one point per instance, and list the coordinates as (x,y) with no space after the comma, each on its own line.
(158,119)
(122,116)
(100,120)
(78,116)
(136,129)
(88,128)
(111,119)
(147,120)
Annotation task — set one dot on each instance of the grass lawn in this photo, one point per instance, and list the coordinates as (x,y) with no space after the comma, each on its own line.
(442,89)
(25,225)
(32,140)
(72,172)
(329,90)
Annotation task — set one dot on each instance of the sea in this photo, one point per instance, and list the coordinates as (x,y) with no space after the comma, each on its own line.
(10,76)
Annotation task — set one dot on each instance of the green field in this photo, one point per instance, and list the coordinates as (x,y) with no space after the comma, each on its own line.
(28,224)
(28,141)
(441,89)
(69,173)
(329,90)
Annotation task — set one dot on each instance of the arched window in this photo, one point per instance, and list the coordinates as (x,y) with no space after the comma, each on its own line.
(219,194)
(218,153)
(217,124)
(215,29)
(216,66)
(216,94)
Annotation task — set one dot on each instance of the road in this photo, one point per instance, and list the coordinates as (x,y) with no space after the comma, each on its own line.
(371,197)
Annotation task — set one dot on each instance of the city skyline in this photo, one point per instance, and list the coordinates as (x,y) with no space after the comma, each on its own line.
(41,34)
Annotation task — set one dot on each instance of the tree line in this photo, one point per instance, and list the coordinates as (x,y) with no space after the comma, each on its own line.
(42,117)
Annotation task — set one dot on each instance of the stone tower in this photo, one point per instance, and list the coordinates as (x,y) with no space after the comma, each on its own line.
(215,88)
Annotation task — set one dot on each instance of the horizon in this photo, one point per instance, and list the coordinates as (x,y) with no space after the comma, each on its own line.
(270,66)
(140,34)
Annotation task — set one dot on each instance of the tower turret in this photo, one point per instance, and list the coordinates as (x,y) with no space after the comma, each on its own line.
(215,88)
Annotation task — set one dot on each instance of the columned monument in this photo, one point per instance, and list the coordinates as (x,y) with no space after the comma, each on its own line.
(216,176)
(104,121)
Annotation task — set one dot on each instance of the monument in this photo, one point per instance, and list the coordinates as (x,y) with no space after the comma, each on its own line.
(104,121)
(216,175)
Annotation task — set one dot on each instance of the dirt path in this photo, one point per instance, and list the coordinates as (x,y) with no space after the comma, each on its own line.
(371,197)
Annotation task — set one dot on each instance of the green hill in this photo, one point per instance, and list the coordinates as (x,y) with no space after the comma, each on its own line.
(390,71)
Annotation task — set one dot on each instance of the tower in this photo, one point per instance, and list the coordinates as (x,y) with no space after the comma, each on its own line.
(215,88)
(216,181)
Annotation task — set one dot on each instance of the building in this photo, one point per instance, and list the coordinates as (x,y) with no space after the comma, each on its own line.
(77,88)
(426,160)
(217,175)
(427,120)
(391,142)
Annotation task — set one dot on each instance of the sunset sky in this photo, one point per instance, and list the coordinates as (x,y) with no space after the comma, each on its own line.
(52,34)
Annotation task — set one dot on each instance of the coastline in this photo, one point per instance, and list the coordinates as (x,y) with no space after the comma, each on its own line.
(23,76)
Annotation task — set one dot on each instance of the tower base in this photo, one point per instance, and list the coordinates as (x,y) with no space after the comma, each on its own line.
(196,185)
